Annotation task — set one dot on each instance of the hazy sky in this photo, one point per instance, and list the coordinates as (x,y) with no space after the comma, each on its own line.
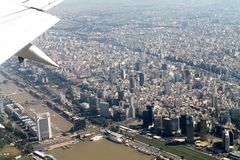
(118,1)
(98,3)
(145,1)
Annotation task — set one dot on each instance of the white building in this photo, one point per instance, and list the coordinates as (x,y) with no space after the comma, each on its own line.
(226,140)
(44,130)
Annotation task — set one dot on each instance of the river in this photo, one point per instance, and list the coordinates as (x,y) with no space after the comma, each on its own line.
(98,150)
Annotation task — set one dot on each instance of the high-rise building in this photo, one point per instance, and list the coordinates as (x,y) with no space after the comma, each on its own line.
(203,129)
(150,114)
(120,95)
(123,74)
(187,76)
(231,136)
(61,98)
(84,97)
(145,119)
(132,112)
(119,115)
(112,76)
(190,130)
(93,101)
(164,66)
(138,66)
(214,101)
(132,82)
(175,124)
(158,122)
(141,79)
(44,130)
(226,140)
(104,109)
(167,127)
(183,124)
(158,125)
(79,124)
(167,88)
(132,100)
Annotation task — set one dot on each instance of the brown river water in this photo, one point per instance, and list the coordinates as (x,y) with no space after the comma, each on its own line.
(98,150)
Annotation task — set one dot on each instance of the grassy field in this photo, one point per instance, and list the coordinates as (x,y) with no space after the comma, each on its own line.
(2,157)
(180,150)
(10,157)
(25,158)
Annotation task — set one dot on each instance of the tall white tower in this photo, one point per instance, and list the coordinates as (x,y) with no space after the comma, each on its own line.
(226,140)
(44,130)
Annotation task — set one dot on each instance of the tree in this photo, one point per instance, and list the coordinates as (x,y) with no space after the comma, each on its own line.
(115,128)
(20,134)
(29,148)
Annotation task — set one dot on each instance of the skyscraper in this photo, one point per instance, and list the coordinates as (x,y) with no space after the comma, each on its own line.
(203,129)
(167,88)
(112,76)
(132,112)
(44,130)
(158,125)
(183,124)
(226,140)
(138,66)
(150,114)
(104,109)
(167,127)
(190,131)
(231,136)
(145,119)
(132,83)
(214,101)
(175,124)
(120,95)
(141,79)
(123,74)
(164,66)
(158,122)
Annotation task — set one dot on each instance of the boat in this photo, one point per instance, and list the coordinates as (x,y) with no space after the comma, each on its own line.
(127,144)
(114,139)
(144,151)
(96,138)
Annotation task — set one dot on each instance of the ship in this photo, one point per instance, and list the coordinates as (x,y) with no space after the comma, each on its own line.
(96,138)
(144,151)
(114,139)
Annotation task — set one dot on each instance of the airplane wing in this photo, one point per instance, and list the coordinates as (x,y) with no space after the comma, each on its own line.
(39,4)
(22,21)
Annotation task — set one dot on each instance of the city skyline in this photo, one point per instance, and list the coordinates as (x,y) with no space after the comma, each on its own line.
(159,77)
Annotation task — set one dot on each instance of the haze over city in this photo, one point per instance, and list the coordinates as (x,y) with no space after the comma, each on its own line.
(137,80)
